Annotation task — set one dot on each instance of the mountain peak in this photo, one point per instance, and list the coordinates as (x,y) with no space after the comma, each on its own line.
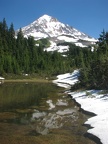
(49,27)
(47,18)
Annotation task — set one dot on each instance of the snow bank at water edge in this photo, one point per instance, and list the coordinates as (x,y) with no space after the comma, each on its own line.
(68,79)
(95,101)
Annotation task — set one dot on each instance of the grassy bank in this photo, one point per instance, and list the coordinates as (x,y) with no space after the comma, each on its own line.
(27,78)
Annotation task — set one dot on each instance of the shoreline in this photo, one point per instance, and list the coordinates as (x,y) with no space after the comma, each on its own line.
(88,126)
(27,81)
(71,79)
(88,135)
(94,104)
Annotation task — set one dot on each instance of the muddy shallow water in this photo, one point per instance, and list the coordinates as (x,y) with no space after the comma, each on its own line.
(37,113)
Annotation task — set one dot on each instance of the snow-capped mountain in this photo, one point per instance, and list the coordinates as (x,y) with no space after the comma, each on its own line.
(49,27)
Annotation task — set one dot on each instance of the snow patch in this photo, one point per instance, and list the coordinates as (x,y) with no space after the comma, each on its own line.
(80,44)
(67,39)
(54,47)
(68,78)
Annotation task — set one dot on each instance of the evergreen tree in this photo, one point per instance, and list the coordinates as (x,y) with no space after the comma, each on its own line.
(97,69)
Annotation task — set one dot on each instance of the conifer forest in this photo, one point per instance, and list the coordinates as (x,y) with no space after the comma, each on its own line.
(20,55)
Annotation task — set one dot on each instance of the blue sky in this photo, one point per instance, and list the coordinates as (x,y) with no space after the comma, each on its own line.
(88,16)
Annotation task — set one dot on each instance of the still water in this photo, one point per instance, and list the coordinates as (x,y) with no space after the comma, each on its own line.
(39,113)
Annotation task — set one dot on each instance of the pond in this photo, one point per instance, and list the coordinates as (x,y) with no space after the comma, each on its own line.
(39,113)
